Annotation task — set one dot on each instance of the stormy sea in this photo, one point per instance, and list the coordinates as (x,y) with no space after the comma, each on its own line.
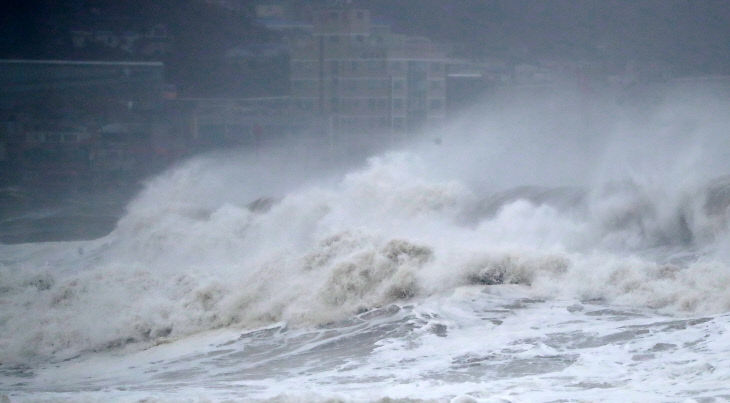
(538,248)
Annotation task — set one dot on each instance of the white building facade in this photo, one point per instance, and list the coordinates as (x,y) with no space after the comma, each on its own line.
(365,79)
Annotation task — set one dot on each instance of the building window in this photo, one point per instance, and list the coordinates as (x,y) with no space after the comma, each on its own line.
(436,85)
(354,66)
(360,15)
(69,138)
(398,84)
(435,67)
(398,103)
(398,123)
(435,104)
(306,67)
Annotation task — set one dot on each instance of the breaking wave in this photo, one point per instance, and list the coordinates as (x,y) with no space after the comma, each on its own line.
(231,240)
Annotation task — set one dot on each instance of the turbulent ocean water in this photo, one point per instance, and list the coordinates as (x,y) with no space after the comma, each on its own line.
(539,250)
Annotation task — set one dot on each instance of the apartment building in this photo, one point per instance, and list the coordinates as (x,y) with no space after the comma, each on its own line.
(365,79)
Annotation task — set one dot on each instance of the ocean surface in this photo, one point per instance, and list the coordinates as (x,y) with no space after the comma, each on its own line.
(540,250)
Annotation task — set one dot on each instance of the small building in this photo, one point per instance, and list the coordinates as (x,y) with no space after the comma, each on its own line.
(155,40)
(53,150)
(248,122)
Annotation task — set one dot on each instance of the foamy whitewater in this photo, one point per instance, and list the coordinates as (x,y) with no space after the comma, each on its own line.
(541,249)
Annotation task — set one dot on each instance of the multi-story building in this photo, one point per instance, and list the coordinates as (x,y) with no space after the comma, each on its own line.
(80,85)
(249,122)
(365,79)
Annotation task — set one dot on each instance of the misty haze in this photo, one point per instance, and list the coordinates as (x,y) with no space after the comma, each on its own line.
(364,200)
